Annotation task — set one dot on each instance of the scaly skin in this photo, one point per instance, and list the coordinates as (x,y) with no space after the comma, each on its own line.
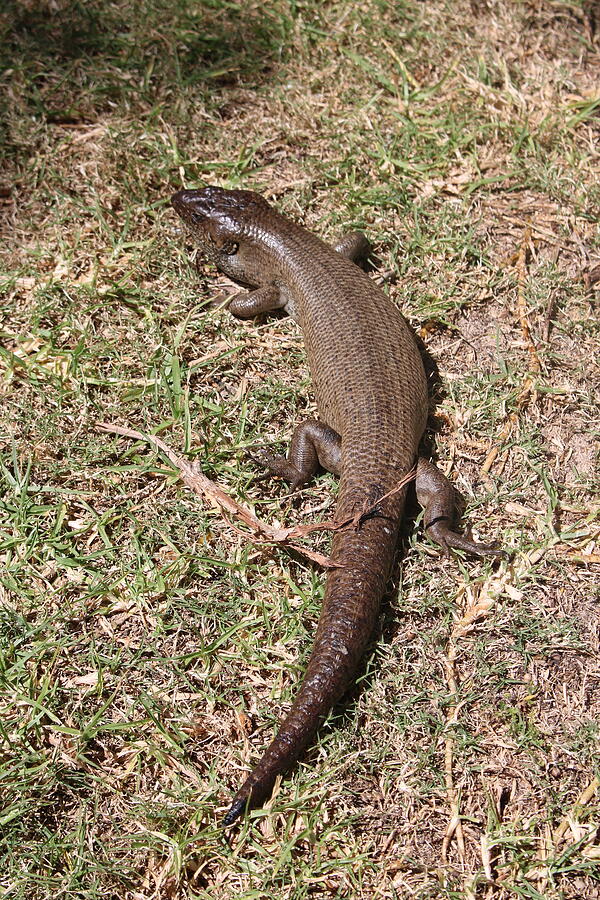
(372,394)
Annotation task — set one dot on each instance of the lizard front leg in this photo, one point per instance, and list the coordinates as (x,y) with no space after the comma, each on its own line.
(248,304)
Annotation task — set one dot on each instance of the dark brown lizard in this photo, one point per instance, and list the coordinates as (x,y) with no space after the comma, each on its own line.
(371,394)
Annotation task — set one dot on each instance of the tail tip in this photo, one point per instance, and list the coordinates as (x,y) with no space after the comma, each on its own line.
(235,811)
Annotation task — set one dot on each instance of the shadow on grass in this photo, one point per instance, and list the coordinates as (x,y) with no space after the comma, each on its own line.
(75,61)
(202,35)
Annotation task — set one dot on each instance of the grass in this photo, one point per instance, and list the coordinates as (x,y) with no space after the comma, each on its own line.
(146,650)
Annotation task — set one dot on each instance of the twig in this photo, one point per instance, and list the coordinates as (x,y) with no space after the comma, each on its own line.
(200,484)
(550,312)
(454,825)
(584,798)
(505,432)
(521,267)
(262,531)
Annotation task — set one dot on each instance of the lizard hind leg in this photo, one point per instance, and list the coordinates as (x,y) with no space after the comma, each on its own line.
(438,498)
(313,444)
(355,246)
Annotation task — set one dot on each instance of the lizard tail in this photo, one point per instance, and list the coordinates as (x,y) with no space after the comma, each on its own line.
(352,597)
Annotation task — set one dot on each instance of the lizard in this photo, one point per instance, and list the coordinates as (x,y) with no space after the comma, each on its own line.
(372,398)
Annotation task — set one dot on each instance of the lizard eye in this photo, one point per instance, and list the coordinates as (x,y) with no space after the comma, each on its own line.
(230,249)
(196,218)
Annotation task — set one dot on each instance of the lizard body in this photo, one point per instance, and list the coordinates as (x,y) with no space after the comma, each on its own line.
(371,393)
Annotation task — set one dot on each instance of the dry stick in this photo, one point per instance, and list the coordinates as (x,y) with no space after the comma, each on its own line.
(262,531)
(509,424)
(507,428)
(521,267)
(454,825)
(200,484)
(534,361)
(583,799)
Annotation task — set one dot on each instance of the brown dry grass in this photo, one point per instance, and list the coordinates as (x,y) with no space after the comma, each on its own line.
(147,652)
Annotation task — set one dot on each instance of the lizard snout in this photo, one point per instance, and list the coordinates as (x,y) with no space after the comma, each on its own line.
(183,200)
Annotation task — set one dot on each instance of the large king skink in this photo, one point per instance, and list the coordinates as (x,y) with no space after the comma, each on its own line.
(371,394)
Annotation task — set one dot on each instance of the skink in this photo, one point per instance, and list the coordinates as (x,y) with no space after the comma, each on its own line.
(371,394)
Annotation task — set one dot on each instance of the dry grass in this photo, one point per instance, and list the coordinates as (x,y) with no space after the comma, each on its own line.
(147,652)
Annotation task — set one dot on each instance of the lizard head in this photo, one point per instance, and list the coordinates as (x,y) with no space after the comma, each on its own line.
(223,223)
